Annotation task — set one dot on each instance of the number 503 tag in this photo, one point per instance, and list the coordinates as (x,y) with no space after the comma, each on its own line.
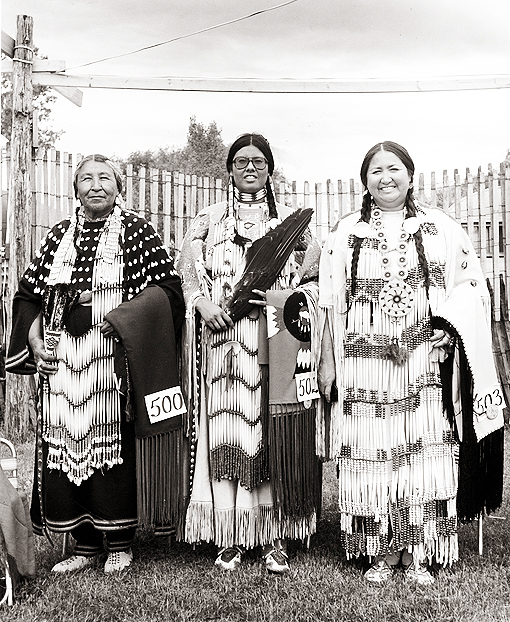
(165,404)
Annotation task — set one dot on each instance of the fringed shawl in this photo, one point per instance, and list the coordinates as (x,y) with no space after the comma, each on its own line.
(148,354)
(295,470)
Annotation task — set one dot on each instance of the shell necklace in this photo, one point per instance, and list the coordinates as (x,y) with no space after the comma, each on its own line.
(397,296)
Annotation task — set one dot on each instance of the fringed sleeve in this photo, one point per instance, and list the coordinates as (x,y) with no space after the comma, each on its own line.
(332,312)
(192,269)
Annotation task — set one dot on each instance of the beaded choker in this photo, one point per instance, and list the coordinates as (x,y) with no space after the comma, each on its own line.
(250,197)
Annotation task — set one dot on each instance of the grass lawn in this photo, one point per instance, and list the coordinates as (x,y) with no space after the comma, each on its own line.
(173,582)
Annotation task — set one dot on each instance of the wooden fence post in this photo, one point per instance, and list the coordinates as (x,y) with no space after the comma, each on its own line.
(19,390)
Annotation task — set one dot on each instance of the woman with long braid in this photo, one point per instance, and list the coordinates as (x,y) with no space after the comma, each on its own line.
(256,479)
(417,426)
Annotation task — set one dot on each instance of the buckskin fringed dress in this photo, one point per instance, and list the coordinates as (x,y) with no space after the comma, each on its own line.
(232,423)
(87,470)
(396,445)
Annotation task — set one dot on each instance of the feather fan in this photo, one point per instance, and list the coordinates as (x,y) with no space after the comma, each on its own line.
(265,259)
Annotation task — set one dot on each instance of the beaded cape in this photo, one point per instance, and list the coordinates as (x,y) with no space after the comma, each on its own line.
(396,448)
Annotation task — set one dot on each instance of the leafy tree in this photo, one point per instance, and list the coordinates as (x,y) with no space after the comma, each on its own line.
(204,154)
(43,100)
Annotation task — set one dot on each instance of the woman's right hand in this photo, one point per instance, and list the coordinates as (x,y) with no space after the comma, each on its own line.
(214,317)
(46,363)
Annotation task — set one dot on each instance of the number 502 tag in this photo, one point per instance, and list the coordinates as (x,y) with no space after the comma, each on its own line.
(306,386)
(165,404)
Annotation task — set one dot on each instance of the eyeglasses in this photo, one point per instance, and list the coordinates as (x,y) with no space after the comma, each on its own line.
(242,162)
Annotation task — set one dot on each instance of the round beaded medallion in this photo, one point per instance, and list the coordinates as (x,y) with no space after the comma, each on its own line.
(396,298)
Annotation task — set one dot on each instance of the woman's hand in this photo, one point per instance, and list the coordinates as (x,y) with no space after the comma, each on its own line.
(214,317)
(442,344)
(107,330)
(46,363)
(326,377)
(441,339)
(259,303)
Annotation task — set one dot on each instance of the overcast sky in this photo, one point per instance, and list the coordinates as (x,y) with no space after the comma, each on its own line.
(314,137)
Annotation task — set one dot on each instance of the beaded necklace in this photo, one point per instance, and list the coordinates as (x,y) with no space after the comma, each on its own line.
(397,296)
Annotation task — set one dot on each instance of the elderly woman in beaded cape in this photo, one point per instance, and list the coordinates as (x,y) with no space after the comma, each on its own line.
(417,426)
(95,445)
(255,477)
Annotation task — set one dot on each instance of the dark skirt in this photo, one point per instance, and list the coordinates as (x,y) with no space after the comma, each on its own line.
(107,499)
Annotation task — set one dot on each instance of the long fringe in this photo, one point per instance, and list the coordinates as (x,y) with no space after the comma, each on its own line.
(161,494)
(245,527)
(437,538)
(295,471)
(199,522)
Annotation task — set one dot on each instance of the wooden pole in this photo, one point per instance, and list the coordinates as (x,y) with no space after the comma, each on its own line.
(19,390)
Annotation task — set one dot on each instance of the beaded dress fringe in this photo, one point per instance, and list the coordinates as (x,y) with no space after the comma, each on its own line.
(396,451)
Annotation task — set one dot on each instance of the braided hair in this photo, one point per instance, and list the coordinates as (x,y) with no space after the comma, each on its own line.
(262,144)
(409,203)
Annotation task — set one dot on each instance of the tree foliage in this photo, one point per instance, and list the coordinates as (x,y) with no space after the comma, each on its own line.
(204,154)
(43,101)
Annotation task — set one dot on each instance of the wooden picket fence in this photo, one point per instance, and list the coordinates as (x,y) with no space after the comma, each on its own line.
(171,199)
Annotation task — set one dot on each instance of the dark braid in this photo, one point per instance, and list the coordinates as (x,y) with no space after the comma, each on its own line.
(366,208)
(271,203)
(418,240)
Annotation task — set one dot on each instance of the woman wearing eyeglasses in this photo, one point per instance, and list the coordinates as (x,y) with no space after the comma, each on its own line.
(255,478)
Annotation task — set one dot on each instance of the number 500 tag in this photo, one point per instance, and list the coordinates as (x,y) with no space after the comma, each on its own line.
(165,404)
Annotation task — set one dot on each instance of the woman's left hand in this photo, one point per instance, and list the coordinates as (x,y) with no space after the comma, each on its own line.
(442,345)
(107,330)
(259,303)
(441,339)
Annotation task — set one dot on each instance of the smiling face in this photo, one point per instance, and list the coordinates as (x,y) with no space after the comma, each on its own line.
(249,179)
(388,180)
(96,188)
